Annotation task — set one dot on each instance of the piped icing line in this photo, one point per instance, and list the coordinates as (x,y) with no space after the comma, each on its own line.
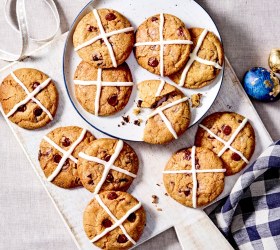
(160,87)
(227,144)
(118,223)
(66,154)
(168,124)
(194,57)
(99,84)
(30,96)
(107,165)
(161,43)
(103,35)
(193,172)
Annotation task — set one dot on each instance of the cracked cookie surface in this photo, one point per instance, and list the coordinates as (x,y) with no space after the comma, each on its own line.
(97,53)
(112,99)
(49,157)
(223,124)
(201,75)
(96,220)
(175,55)
(29,115)
(180,186)
(91,173)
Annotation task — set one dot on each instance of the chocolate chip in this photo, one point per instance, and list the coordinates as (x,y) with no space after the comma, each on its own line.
(187,192)
(235,157)
(197,166)
(66,141)
(38,111)
(107,157)
(21,108)
(110,178)
(57,158)
(132,217)
(90,182)
(126,119)
(113,100)
(187,155)
(123,180)
(139,103)
(122,238)
(154,18)
(159,102)
(91,28)
(35,85)
(110,16)
(180,32)
(226,129)
(66,164)
(112,196)
(153,62)
(97,57)
(107,223)
(89,176)
(239,121)
(137,122)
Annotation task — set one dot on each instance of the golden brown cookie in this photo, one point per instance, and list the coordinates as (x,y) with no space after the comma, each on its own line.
(70,139)
(29,113)
(200,189)
(111,98)
(98,218)
(223,125)
(107,164)
(100,53)
(200,74)
(174,55)
(156,95)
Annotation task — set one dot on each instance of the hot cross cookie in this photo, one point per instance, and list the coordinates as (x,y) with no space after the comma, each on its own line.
(104,37)
(107,164)
(205,62)
(163,44)
(230,136)
(29,98)
(103,92)
(114,220)
(194,176)
(58,154)
(171,113)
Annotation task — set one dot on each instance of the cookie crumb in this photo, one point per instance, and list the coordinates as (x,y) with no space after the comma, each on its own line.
(123,123)
(136,111)
(126,119)
(158,185)
(159,209)
(138,122)
(139,102)
(229,107)
(195,99)
(155,199)
(166,194)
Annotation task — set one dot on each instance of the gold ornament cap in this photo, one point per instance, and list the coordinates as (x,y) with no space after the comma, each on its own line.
(274,60)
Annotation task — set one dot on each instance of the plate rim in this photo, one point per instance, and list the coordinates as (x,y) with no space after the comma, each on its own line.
(91,124)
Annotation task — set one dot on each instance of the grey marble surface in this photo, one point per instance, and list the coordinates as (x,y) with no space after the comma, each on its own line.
(249,28)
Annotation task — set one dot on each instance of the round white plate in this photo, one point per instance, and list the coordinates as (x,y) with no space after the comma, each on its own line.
(192,14)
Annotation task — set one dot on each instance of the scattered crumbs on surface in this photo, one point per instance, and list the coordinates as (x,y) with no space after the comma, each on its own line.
(155,199)
(158,185)
(229,107)
(195,100)
(139,102)
(136,111)
(126,119)
(159,209)
(123,123)
(166,194)
(119,125)
(138,122)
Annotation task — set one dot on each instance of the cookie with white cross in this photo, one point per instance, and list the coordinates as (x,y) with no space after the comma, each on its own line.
(163,44)
(205,62)
(170,112)
(29,98)
(104,37)
(230,136)
(103,92)
(194,176)
(58,154)
(114,220)
(107,164)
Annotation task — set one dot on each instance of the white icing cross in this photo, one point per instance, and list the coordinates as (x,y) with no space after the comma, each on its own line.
(107,165)
(161,43)
(163,117)
(118,223)
(103,35)
(66,154)
(30,96)
(194,57)
(227,144)
(99,84)
(160,87)
(193,172)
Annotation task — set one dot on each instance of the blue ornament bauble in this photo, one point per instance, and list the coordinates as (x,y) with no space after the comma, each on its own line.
(261,84)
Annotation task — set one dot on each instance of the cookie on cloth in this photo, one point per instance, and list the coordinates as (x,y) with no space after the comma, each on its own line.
(58,154)
(104,37)
(29,98)
(194,176)
(103,92)
(171,112)
(205,62)
(163,44)
(107,164)
(114,220)
(230,136)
